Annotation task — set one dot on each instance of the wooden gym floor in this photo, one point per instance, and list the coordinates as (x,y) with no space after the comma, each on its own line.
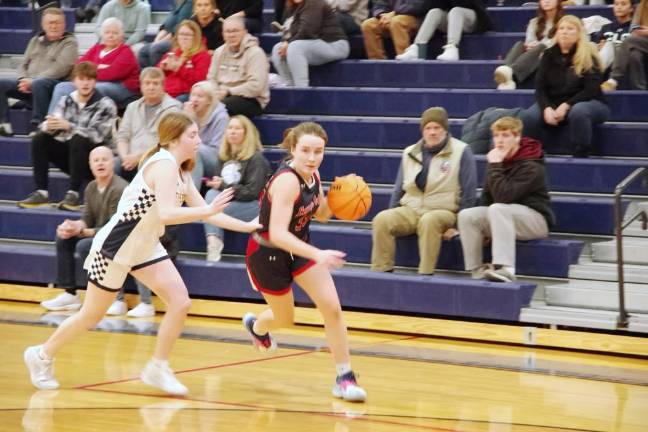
(414,383)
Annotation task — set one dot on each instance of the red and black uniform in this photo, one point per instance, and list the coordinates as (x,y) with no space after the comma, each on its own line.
(271,269)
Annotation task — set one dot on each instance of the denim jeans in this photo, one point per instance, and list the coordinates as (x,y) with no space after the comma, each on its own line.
(579,122)
(66,264)
(40,96)
(205,165)
(150,54)
(243,210)
(142,290)
(114,90)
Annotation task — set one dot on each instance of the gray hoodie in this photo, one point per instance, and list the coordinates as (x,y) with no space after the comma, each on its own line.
(134,129)
(136,16)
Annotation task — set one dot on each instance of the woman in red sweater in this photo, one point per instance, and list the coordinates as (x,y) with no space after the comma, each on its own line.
(187,63)
(117,67)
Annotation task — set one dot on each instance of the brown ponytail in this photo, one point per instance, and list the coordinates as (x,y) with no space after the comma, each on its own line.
(171,127)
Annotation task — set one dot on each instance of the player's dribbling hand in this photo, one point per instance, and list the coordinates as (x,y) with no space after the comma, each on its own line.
(331,259)
(222,200)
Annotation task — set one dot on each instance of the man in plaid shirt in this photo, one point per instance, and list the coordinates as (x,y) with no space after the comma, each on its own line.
(80,122)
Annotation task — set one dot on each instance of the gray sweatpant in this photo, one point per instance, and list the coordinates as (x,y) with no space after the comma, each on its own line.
(524,62)
(630,58)
(301,53)
(503,223)
(454,23)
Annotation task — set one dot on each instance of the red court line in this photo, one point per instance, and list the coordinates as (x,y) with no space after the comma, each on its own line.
(88,386)
(260,407)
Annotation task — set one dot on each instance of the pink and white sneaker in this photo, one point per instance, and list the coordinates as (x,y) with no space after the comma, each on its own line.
(346,387)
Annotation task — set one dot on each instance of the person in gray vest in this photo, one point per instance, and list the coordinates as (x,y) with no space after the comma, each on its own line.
(437,178)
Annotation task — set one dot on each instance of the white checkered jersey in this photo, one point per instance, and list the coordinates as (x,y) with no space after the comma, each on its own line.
(135,228)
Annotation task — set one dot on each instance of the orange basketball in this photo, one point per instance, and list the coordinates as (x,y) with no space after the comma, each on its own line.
(349,197)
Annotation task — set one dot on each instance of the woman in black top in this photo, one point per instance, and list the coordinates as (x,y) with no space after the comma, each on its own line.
(568,91)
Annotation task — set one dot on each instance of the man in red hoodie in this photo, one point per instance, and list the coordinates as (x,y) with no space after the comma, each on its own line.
(514,203)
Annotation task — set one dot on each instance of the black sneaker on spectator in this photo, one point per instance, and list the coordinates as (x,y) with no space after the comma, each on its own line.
(70,202)
(35,199)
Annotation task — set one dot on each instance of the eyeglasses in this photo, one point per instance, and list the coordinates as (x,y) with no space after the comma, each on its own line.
(186,34)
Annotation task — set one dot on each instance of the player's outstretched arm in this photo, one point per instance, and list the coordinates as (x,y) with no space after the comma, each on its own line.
(161,176)
(194,199)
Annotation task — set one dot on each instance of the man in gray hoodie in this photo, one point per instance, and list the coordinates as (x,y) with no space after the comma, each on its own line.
(240,70)
(134,14)
(138,128)
(49,59)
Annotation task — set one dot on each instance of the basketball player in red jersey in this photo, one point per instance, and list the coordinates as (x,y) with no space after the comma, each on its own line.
(280,252)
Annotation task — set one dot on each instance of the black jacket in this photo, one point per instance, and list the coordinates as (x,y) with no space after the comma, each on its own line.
(253,172)
(556,81)
(252,8)
(520,180)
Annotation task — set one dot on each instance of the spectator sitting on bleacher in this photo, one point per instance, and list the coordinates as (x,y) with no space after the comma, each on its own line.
(212,118)
(240,70)
(251,11)
(88,11)
(138,128)
(100,202)
(242,166)
(135,16)
(568,91)
(523,58)
(351,14)
(632,55)
(49,58)
(150,54)
(187,62)
(514,203)
(453,17)
(437,177)
(397,19)
(81,121)
(207,16)
(314,37)
(612,35)
(117,68)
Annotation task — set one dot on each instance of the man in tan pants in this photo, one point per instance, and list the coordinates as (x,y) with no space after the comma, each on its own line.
(436,179)
(397,19)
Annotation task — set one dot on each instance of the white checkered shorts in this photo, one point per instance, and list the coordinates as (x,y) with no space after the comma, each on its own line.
(110,275)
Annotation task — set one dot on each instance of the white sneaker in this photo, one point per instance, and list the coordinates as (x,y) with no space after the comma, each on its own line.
(41,371)
(214,248)
(410,53)
(117,308)
(159,374)
(503,76)
(142,310)
(450,53)
(64,301)
(346,387)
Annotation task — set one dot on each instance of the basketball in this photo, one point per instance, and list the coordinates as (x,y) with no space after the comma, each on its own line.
(349,197)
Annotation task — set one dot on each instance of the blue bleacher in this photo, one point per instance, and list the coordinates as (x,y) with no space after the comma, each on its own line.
(546,257)
(626,105)
(438,295)
(22,18)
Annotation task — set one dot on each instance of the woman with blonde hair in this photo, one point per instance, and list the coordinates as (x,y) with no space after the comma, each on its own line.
(130,244)
(212,118)
(568,92)
(242,167)
(186,63)
(632,55)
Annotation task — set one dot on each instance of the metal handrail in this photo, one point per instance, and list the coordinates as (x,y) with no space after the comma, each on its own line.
(619,226)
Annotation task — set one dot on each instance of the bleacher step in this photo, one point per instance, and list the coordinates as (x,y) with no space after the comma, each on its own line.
(593,319)
(602,271)
(592,294)
(635,251)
